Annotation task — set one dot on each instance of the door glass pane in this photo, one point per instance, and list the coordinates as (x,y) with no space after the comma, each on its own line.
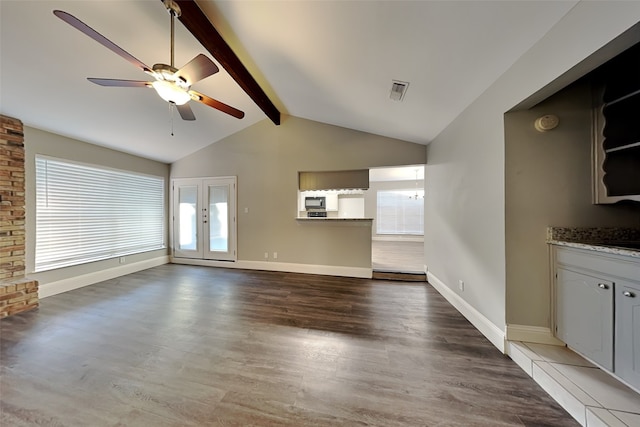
(188,204)
(219,219)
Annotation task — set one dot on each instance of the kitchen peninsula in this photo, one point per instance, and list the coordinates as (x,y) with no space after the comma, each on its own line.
(334,219)
(331,195)
(331,205)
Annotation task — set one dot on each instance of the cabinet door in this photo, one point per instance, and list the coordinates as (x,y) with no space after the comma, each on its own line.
(584,315)
(332,202)
(627,352)
(301,206)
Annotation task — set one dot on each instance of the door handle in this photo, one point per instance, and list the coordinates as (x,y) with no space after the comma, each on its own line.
(603,286)
(629,294)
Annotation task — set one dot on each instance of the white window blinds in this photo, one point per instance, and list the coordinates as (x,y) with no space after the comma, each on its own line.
(87,213)
(399,212)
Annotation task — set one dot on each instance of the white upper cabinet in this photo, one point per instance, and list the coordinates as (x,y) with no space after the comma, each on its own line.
(616,129)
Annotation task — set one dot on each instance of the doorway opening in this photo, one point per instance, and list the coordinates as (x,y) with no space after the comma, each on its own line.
(397,206)
(204,213)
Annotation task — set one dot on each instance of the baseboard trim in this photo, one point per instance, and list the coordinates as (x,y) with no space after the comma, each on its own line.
(325,270)
(535,334)
(65,285)
(398,239)
(493,333)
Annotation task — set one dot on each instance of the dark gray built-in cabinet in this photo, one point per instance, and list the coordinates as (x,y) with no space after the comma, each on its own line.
(597,308)
(616,129)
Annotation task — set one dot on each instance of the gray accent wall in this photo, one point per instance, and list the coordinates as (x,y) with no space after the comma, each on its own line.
(548,183)
(45,143)
(267,158)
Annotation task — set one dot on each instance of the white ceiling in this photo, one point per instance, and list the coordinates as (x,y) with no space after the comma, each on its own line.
(328,61)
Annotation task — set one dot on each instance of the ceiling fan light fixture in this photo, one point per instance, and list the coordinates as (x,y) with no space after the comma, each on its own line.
(171,92)
(172,85)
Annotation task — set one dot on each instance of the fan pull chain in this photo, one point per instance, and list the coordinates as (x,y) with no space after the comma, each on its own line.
(171,110)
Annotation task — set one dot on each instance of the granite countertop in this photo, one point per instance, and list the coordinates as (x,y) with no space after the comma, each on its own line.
(304,218)
(613,240)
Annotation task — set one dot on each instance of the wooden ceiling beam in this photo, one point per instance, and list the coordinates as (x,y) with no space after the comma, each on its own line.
(194,20)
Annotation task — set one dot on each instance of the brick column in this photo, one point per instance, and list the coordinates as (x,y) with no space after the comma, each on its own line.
(17,293)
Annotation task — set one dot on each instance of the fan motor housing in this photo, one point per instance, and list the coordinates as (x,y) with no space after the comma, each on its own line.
(168,73)
(172,7)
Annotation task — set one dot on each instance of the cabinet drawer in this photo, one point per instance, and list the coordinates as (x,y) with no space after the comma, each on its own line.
(599,263)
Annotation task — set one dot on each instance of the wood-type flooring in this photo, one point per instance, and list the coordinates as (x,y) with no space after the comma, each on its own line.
(397,256)
(179,345)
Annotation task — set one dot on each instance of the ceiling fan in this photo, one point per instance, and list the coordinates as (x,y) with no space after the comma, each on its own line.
(172,84)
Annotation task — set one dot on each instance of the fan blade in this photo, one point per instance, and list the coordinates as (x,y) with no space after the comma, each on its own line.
(119,83)
(185,112)
(197,69)
(217,104)
(81,26)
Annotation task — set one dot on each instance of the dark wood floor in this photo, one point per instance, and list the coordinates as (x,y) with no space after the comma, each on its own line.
(182,346)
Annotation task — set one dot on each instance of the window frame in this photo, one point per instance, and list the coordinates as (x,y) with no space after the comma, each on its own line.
(399,232)
(93,216)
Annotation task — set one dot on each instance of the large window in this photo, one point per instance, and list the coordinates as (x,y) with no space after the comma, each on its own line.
(87,213)
(400,212)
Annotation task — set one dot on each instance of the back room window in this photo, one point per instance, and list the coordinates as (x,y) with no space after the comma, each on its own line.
(400,212)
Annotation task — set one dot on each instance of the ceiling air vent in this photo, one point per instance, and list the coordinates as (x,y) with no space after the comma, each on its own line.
(398,90)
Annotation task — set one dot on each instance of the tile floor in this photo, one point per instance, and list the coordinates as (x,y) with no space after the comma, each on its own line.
(592,396)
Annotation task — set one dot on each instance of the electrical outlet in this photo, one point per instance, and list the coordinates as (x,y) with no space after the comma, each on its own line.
(461,285)
(275,255)
(266,255)
(122,260)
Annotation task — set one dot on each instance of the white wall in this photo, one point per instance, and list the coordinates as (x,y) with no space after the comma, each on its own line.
(465,173)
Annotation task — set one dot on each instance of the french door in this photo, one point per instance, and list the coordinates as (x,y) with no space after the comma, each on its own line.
(204,218)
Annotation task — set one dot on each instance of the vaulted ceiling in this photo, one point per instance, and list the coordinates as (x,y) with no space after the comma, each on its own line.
(328,61)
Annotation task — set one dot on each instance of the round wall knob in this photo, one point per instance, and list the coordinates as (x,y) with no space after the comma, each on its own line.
(546,123)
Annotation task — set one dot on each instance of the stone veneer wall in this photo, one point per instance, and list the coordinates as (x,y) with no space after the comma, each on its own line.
(17,293)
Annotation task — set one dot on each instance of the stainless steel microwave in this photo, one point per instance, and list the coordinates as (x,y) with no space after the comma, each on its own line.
(315,203)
